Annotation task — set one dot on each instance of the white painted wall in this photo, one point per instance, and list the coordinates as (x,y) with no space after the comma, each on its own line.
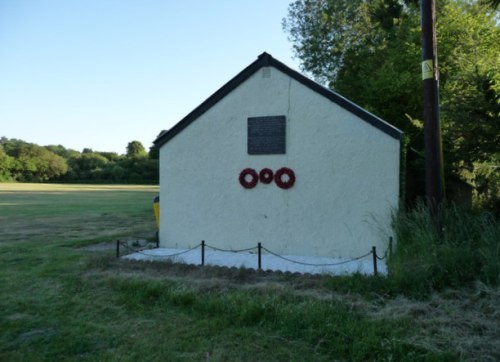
(347,177)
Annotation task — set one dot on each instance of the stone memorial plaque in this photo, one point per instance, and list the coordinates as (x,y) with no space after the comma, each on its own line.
(267,135)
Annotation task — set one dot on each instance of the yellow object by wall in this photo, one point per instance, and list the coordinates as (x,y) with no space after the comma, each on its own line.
(156,209)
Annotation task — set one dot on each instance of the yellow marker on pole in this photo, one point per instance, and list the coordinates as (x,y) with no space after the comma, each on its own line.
(427,69)
(156,208)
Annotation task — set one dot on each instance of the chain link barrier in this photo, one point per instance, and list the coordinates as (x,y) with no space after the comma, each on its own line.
(259,248)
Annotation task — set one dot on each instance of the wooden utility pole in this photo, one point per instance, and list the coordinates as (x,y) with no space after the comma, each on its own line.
(434,188)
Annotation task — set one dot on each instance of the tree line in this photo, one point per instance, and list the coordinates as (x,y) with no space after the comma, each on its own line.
(28,162)
(370,52)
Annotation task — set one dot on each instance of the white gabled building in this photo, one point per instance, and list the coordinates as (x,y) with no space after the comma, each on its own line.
(332,177)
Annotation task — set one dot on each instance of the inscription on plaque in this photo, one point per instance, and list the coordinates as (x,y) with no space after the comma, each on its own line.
(267,135)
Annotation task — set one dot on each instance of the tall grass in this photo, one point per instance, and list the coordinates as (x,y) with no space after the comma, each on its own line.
(329,328)
(466,249)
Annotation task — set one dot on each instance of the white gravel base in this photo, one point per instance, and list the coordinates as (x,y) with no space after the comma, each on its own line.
(269,262)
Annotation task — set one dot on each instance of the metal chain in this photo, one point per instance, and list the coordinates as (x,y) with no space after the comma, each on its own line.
(160,256)
(230,251)
(310,264)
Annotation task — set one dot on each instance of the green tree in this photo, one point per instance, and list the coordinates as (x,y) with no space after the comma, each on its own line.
(369,51)
(35,163)
(139,169)
(30,162)
(60,150)
(154,152)
(6,165)
(493,3)
(87,166)
(113,171)
(22,161)
(110,156)
(470,71)
(136,149)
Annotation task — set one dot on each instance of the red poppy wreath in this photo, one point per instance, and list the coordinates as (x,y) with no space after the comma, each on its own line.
(266,176)
(289,180)
(245,182)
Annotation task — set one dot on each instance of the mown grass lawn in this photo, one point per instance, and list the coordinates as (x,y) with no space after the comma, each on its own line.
(60,301)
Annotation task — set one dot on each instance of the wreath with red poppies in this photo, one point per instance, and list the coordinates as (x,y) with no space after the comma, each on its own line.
(286,183)
(245,182)
(266,176)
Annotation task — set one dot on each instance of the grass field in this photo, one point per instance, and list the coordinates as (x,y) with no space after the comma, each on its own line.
(61,301)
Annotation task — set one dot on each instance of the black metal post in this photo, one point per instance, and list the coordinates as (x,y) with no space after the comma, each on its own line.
(434,188)
(390,246)
(203,252)
(259,253)
(117,248)
(374,252)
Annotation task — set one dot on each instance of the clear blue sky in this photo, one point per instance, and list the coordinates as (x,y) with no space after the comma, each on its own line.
(101,73)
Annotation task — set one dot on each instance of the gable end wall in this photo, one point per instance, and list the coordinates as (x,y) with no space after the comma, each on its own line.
(347,176)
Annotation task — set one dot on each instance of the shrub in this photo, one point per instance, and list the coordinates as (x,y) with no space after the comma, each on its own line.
(467,248)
